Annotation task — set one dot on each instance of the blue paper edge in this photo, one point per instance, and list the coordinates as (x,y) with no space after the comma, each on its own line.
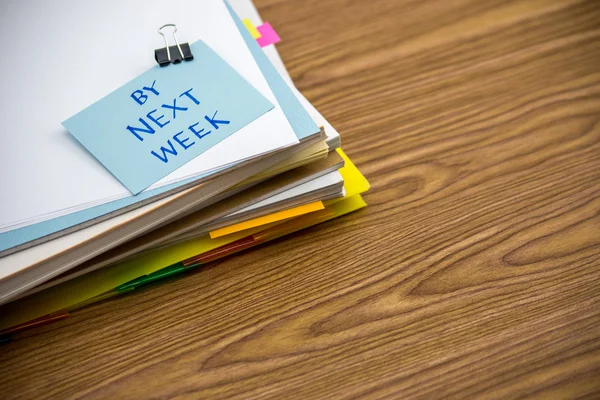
(301,122)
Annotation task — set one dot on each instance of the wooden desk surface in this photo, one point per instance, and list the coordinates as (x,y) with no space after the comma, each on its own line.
(475,270)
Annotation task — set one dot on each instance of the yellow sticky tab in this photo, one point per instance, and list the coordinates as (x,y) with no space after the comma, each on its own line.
(354,182)
(347,205)
(251,28)
(267,219)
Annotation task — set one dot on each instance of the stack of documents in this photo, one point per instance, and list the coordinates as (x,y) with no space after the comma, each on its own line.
(136,154)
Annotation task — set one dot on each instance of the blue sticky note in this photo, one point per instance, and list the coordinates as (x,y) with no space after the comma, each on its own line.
(167,116)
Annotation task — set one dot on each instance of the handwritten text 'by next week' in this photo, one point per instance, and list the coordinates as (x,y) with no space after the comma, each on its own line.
(159,118)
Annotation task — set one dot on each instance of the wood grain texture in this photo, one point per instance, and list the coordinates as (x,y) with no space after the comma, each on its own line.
(473,273)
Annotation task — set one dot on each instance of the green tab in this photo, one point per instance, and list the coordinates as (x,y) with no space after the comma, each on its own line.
(132,284)
(164,273)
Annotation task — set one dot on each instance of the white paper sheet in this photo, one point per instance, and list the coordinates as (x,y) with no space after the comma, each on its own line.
(319,183)
(65,55)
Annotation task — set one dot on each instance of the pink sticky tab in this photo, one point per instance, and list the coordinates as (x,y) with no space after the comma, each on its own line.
(267,35)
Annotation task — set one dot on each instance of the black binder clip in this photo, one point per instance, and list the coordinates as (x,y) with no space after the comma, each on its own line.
(172,54)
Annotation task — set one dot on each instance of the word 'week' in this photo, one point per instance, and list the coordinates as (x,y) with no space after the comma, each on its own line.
(162,116)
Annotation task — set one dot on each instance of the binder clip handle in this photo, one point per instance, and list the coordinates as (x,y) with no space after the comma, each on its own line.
(172,54)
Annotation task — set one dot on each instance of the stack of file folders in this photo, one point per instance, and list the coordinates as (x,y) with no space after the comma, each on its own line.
(90,210)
